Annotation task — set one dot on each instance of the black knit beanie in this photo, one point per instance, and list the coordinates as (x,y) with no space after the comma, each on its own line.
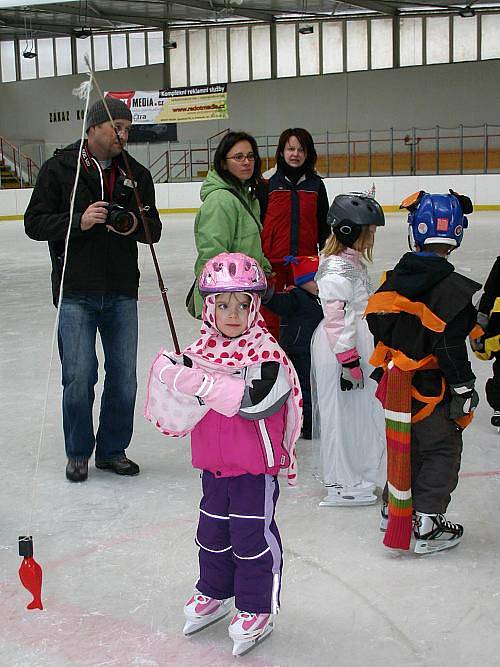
(97,113)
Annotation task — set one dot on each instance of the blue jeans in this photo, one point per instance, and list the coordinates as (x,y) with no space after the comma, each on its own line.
(115,317)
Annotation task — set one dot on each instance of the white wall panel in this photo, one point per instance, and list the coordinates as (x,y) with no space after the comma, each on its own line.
(437,40)
(357,45)
(137,49)
(309,50)
(285,43)
(410,42)
(45,50)
(333,59)
(261,52)
(8,60)
(217,39)
(155,47)
(178,68)
(101,52)
(490,40)
(240,66)
(464,38)
(381,43)
(63,56)
(118,51)
(197,57)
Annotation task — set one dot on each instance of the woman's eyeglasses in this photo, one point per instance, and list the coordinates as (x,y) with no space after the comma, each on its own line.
(240,157)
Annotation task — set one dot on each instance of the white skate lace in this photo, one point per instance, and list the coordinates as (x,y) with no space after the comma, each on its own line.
(447,524)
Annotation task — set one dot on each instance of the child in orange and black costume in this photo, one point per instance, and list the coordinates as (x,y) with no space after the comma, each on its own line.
(420,317)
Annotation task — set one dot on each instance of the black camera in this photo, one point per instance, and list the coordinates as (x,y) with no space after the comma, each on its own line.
(119,217)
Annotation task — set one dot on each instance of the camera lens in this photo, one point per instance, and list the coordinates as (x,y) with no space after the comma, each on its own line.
(120,219)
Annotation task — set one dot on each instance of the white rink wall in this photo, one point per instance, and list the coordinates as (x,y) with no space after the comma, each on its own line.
(484,190)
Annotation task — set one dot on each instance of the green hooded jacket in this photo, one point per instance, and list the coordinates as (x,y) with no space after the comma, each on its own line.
(224,225)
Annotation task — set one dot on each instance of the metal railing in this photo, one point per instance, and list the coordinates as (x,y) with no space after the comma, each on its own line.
(392,152)
(22,168)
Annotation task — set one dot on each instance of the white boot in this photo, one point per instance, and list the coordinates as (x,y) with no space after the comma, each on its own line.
(349,496)
(248,629)
(201,611)
(434,533)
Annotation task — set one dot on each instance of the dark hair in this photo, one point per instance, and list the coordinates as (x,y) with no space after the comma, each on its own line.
(305,140)
(225,145)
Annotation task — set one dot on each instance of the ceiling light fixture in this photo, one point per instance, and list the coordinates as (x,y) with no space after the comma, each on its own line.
(467,12)
(82,32)
(29,50)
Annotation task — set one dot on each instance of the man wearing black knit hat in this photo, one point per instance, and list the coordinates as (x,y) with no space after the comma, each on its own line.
(101,280)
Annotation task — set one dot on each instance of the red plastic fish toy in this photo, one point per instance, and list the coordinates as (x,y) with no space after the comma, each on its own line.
(30,572)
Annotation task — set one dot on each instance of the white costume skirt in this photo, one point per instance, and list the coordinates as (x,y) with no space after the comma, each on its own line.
(348,426)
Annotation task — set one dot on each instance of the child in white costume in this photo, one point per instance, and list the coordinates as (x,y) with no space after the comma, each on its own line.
(348,420)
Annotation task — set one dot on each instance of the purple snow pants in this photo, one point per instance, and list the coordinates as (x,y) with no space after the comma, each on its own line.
(240,547)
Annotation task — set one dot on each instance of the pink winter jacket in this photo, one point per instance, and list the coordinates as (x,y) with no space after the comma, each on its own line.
(242,415)
(231,446)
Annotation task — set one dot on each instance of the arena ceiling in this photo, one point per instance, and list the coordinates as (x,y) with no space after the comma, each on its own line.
(45,19)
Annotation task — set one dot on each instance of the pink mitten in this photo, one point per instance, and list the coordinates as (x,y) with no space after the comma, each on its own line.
(178,377)
(220,391)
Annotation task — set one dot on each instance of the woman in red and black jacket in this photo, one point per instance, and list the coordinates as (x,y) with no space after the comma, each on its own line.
(293,206)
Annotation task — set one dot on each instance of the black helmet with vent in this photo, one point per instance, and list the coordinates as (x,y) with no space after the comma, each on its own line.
(349,213)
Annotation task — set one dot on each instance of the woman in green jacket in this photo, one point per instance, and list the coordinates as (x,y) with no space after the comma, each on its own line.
(229,217)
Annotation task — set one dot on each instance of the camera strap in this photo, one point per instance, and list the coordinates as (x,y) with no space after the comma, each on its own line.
(109,176)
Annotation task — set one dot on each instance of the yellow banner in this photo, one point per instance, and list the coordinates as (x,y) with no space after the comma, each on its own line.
(184,105)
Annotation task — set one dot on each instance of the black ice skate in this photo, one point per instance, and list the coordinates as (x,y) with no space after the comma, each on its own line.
(495,420)
(434,533)
(384,517)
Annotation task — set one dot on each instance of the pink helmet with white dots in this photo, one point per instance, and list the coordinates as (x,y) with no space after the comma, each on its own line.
(232,272)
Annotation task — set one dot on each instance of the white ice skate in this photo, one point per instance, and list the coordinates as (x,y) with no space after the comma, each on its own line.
(248,629)
(201,611)
(349,496)
(495,420)
(434,533)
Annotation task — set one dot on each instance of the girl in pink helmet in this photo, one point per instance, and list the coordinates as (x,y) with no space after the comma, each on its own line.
(236,392)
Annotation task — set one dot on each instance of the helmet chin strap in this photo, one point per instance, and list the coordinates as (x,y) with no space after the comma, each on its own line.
(411,240)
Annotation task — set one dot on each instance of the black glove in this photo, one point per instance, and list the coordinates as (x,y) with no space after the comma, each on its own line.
(464,399)
(351,376)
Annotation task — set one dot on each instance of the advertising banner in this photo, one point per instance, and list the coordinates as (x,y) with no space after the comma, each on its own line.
(145,105)
(184,105)
(175,105)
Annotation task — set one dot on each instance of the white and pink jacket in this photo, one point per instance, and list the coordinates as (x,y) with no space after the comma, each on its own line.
(239,398)
(344,288)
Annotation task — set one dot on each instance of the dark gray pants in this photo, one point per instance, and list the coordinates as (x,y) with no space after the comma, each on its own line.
(436,451)
(493,384)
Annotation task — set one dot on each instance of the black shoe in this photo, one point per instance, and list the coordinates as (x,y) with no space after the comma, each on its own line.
(121,466)
(77,470)
(306,434)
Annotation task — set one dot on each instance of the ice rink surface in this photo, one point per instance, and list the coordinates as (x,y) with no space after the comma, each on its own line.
(118,554)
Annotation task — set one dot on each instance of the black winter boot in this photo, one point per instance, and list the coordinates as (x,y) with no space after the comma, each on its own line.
(77,470)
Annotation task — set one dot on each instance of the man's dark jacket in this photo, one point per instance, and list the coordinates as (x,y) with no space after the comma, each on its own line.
(99,261)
